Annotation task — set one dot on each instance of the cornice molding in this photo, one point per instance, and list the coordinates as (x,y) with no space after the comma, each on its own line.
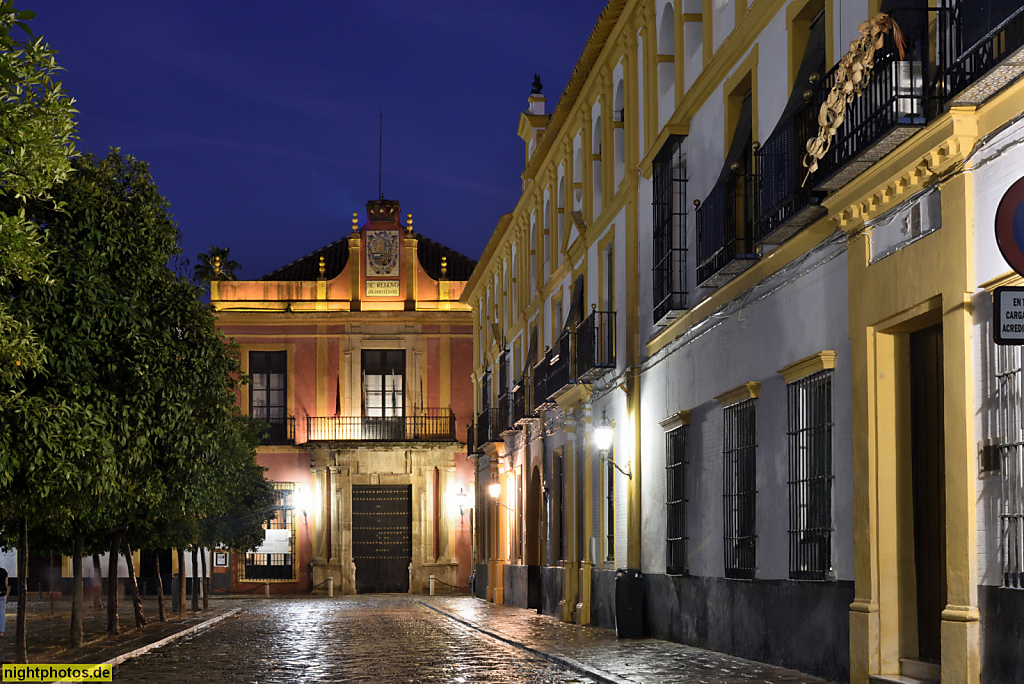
(815,363)
(748,390)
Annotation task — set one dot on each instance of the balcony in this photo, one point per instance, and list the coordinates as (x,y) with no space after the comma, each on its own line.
(502,422)
(540,383)
(560,372)
(278,431)
(725,245)
(522,399)
(893,106)
(784,203)
(978,37)
(437,425)
(595,345)
(487,427)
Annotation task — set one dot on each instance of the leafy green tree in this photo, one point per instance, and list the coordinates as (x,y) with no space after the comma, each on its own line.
(216,264)
(37,133)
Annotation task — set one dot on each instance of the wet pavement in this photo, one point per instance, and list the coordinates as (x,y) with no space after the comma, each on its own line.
(352,639)
(382,638)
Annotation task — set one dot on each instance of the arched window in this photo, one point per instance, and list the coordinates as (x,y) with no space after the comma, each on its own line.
(596,164)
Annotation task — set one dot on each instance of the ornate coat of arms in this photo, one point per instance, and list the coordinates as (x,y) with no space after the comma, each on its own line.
(382,252)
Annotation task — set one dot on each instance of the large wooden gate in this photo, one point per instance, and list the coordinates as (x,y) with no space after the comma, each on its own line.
(382,537)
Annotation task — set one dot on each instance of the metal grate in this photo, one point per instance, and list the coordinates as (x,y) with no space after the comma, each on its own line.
(675,501)
(1010,427)
(275,566)
(810,477)
(740,484)
(609,486)
(670,229)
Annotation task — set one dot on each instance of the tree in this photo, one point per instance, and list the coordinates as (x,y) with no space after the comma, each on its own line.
(37,133)
(215,264)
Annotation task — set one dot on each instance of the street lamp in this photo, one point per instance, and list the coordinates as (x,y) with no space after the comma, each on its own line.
(494,489)
(604,434)
(461,498)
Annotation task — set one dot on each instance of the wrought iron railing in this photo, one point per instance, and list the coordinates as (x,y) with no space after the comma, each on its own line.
(595,344)
(784,201)
(974,37)
(277,431)
(541,371)
(896,97)
(723,231)
(487,429)
(561,370)
(437,425)
(503,421)
(522,398)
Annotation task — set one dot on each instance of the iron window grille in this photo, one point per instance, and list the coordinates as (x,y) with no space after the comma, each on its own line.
(810,477)
(669,175)
(276,566)
(675,501)
(740,496)
(1010,436)
(610,506)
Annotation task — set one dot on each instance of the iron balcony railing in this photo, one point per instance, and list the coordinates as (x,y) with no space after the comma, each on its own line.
(785,204)
(487,427)
(437,425)
(892,106)
(522,398)
(725,244)
(561,370)
(541,371)
(278,431)
(595,344)
(973,38)
(503,421)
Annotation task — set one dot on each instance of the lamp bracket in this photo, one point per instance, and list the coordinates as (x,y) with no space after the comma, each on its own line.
(628,472)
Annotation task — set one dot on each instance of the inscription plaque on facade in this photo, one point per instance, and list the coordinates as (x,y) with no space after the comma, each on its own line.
(382,288)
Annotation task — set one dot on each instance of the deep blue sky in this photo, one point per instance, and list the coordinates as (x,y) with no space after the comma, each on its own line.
(260,119)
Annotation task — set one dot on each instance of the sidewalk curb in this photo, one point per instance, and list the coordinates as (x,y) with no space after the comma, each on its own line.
(564,661)
(166,640)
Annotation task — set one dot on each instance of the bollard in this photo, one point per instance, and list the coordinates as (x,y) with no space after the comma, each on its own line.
(142,590)
(266,589)
(330,587)
(431,585)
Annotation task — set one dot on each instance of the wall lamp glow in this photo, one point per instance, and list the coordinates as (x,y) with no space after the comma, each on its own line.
(461,499)
(604,434)
(494,489)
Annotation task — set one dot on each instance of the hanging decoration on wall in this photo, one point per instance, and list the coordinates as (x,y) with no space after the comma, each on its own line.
(852,76)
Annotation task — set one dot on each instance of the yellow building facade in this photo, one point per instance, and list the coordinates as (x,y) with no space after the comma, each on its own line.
(815,457)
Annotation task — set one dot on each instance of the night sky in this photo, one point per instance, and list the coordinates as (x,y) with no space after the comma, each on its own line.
(260,120)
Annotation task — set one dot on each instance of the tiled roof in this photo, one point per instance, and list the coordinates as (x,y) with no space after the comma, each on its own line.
(336,256)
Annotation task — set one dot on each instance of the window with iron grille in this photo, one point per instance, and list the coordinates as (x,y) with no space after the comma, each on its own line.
(740,496)
(276,565)
(1010,440)
(669,173)
(675,501)
(609,487)
(810,477)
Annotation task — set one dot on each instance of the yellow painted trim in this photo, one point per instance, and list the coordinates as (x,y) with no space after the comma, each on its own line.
(607,240)
(1008,279)
(664,59)
(733,89)
(740,8)
(244,349)
(748,390)
(707,31)
(576,397)
(815,363)
(647,163)
(689,17)
(676,420)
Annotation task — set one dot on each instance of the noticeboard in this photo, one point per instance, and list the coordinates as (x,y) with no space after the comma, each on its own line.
(1008,315)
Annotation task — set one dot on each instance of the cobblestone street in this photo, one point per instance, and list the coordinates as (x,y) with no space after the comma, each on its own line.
(398,638)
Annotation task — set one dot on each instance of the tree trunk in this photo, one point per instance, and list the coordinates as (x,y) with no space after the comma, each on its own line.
(180,598)
(113,629)
(159,591)
(97,578)
(126,550)
(76,639)
(195,581)
(206,582)
(20,641)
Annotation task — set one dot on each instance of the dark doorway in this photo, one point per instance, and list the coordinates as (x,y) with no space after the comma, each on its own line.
(382,537)
(928,465)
